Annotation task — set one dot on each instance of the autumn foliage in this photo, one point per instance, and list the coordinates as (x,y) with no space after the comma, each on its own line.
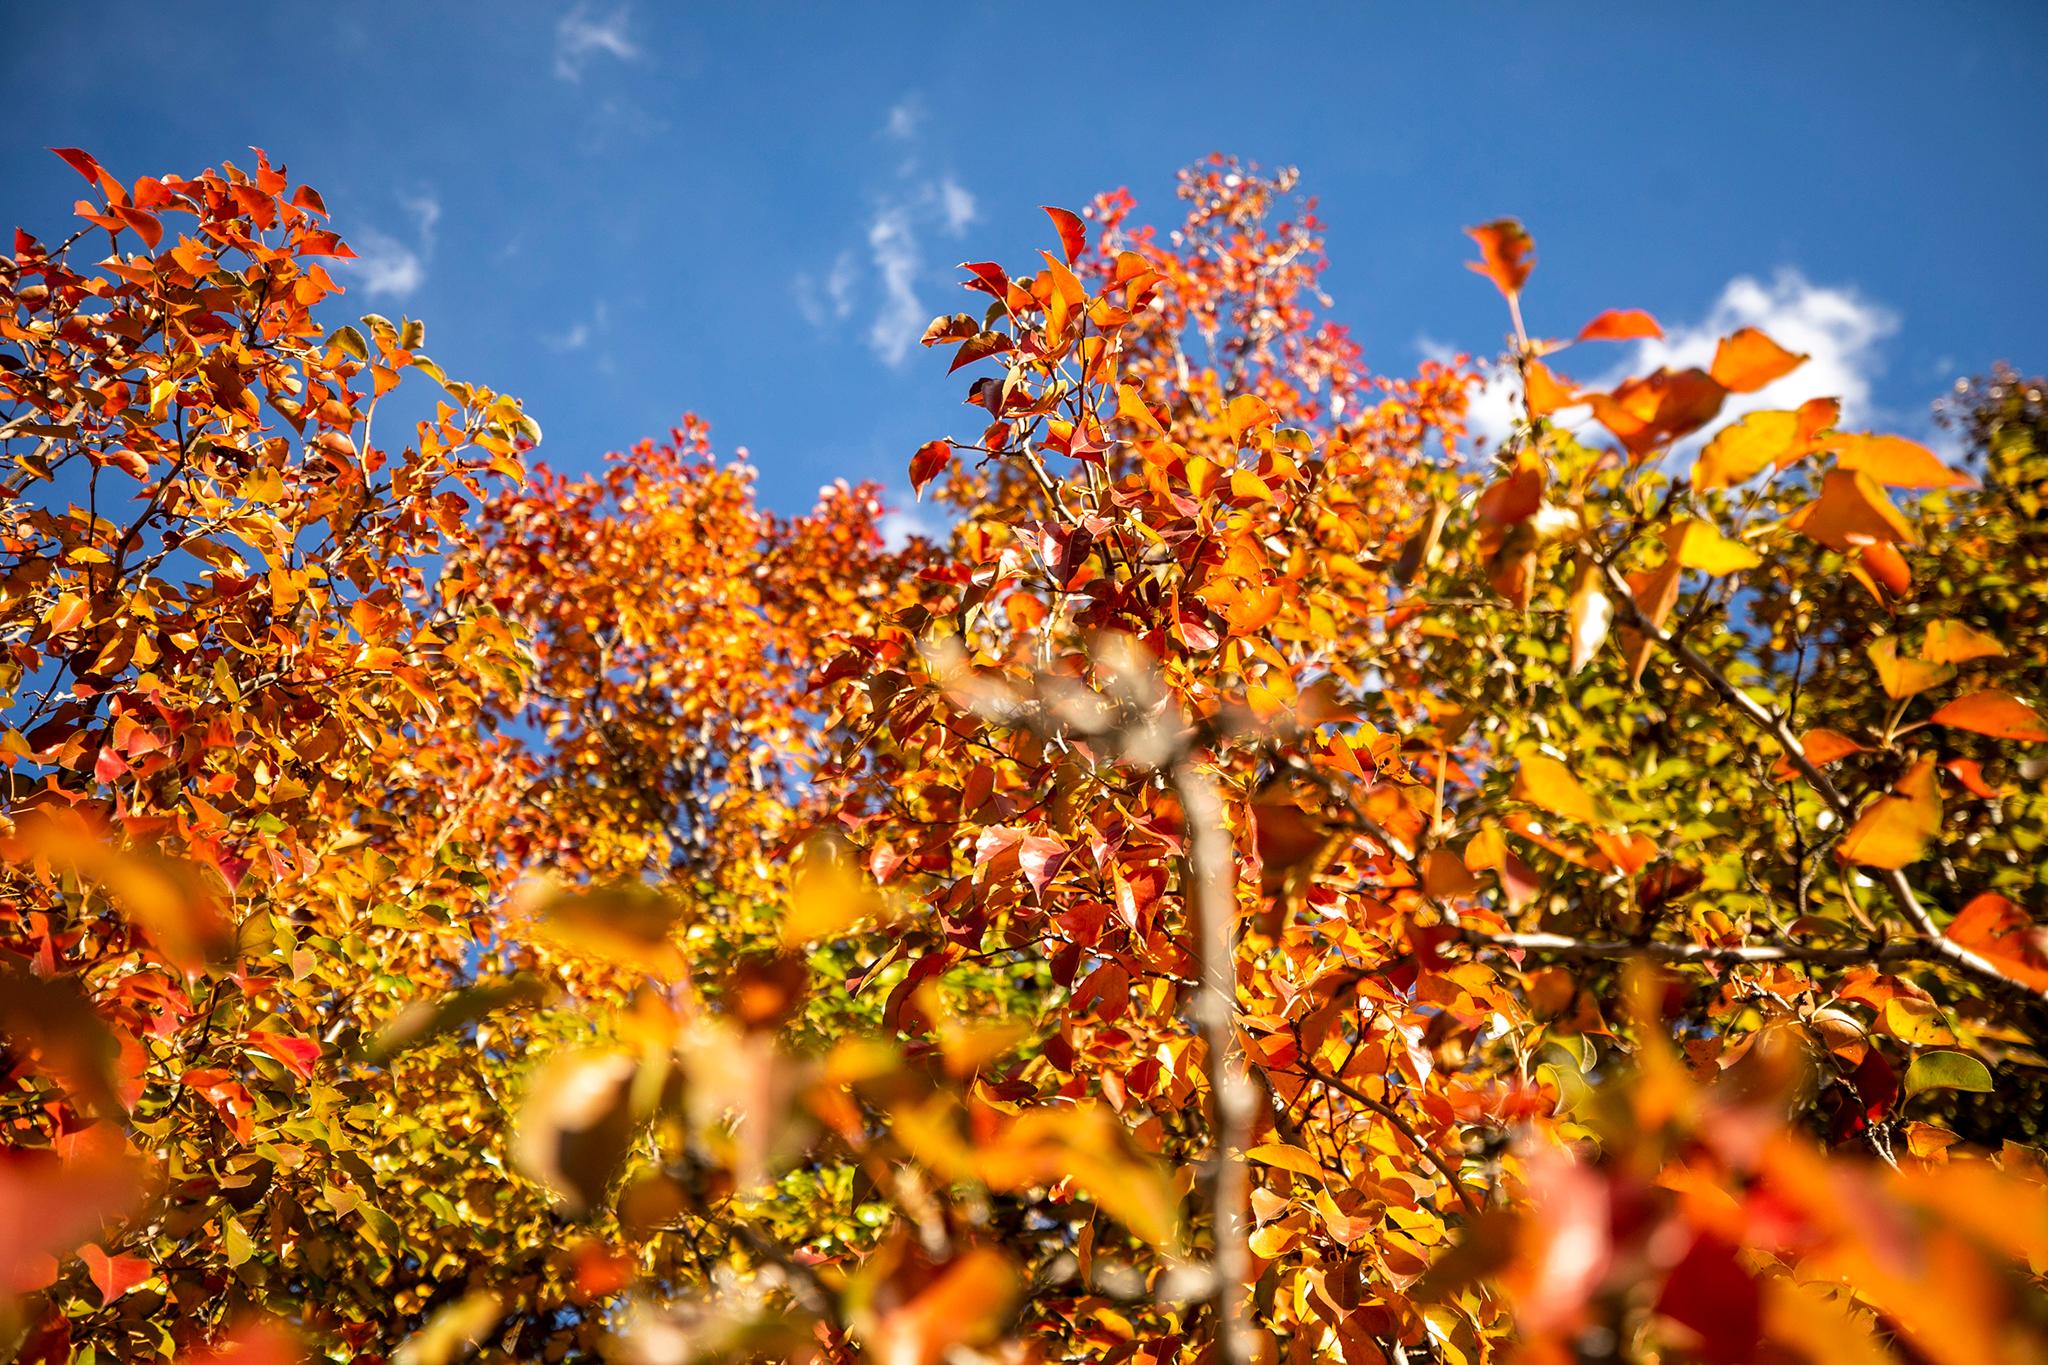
(1290,878)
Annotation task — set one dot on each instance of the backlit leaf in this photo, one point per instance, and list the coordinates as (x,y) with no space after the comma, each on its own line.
(1747,360)
(1896,830)
(1947,1071)
(1506,254)
(1995,713)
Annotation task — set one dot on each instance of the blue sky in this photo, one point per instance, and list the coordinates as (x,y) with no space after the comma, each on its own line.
(620,210)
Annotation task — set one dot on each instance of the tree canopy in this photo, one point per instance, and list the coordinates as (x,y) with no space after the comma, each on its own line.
(1287,877)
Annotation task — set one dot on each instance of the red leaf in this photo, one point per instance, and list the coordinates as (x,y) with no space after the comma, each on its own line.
(298,1054)
(1970,773)
(988,278)
(1073,236)
(1621,324)
(1710,1292)
(115,1275)
(931,458)
(85,165)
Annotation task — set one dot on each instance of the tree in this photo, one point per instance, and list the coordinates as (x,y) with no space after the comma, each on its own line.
(1285,881)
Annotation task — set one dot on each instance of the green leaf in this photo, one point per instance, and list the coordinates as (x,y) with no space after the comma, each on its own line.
(1947,1071)
(351,342)
(235,1242)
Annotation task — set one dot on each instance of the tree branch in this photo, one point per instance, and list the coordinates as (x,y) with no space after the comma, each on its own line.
(1775,725)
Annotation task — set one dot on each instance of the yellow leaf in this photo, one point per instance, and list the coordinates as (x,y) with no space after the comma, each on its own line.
(1287,1157)
(1905,677)
(1701,546)
(453,1332)
(1896,830)
(1952,642)
(829,896)
(1737,453)
(1545,782)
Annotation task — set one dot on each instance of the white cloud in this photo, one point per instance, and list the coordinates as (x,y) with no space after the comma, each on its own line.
(829,300)
(899,318)
(900,525)
(581,334)
(904,117)
(956,206)
(886,278)
(387,267)
(583,34)
(384,267)
(1841,332)
(426,211)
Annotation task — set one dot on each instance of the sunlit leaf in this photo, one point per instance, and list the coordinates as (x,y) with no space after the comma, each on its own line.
(1506,254)
(1747,360)
(1995,713)
(1947,1071)
(1896,830)
(1904,676)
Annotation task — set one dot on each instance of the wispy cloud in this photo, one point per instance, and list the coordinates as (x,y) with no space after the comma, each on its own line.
(830,299)
(886,277)
(904,117)
(581,334)
(900,317)
(956,206)
(386,266)
(1841,331)
(584,34)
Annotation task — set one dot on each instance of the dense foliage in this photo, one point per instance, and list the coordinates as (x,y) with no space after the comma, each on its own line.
(1287,880)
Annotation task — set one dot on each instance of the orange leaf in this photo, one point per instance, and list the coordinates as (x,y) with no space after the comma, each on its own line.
(1970,773)
(964,1305)
(1763,439)
(1543,781)
(1995,927)
(85,165)
(1991,712)
(1886,566)
(1850,511)
(1504,254)
(1513,497)
(1896,830)
(114,1275)
(69,612)
(1905,677)
(1895,461)
(1621,324)
(1659,408)
(1821,747)
(1748,360)
(1546,392)
(1953,642)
